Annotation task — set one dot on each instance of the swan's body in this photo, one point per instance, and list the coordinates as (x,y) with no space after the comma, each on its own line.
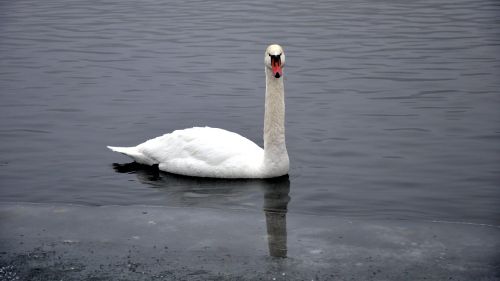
(202,152)
(213,152)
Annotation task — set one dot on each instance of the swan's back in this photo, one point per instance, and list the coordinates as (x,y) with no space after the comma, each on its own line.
(203,152)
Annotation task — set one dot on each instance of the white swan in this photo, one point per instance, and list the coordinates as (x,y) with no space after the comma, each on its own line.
(217,153)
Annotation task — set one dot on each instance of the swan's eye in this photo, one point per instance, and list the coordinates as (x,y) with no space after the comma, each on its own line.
(275,60)
(275,57)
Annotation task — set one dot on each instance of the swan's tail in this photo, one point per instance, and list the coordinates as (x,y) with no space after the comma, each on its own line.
(134,153)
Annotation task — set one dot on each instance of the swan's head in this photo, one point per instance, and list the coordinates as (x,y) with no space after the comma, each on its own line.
(275,59)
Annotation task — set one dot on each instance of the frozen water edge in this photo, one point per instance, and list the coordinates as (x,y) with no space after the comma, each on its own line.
(58,241)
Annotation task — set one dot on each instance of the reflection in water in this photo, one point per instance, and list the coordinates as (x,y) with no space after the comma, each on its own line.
(145,174)
(276,200)
(275,191)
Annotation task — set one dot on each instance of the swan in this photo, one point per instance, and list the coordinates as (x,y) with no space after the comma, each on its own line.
(217,153)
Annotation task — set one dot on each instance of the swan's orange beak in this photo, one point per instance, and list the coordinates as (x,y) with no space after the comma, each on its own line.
(276,66)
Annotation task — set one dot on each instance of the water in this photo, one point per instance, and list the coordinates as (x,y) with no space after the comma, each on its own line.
(392,106)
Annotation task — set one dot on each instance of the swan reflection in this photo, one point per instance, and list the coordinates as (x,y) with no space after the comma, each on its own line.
(217,192)
(276,200)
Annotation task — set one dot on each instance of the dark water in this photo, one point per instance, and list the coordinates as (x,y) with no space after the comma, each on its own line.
(392,106)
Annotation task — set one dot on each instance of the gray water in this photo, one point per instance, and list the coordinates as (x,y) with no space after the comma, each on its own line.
(392,106)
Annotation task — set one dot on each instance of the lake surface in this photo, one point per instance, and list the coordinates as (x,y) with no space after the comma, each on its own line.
(393,107)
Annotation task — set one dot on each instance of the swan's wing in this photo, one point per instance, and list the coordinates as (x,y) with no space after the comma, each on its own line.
(197,151)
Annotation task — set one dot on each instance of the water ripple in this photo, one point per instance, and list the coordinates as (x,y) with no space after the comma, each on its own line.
(392,107)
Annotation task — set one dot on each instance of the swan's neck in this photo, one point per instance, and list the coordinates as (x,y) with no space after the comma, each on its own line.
(275,154)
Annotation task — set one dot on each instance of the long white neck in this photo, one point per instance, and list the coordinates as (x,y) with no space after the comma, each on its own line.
(275,155)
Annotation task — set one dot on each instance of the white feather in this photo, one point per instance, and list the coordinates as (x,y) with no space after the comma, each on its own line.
(213,152)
